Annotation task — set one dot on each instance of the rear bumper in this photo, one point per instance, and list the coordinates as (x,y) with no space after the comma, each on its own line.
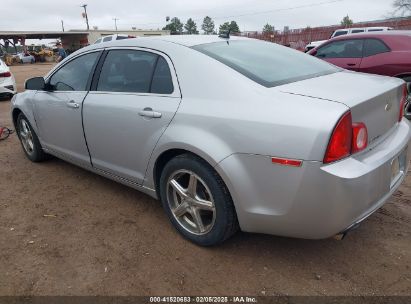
(314,201)
(8,86)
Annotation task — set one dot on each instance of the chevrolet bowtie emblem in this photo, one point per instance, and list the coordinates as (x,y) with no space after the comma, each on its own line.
(388,106)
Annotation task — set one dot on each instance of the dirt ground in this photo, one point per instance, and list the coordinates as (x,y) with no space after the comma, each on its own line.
(106,239)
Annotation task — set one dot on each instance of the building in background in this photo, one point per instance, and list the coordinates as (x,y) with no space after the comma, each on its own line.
(72,40)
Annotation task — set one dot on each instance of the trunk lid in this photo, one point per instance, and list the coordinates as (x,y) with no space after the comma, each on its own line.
(373,99)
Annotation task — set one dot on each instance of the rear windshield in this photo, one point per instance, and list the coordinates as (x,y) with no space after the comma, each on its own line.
(266,63)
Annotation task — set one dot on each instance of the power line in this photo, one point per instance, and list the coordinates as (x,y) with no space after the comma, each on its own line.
(251,13)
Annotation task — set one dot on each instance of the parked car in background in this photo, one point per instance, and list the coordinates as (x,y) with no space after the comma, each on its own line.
(383,53)
(341,32)
(113,37)
(26,58)
(265,138)
(7,81)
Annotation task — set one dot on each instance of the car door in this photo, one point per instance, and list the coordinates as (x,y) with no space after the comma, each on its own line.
(346,53)
(133,100)
(376,58)
(58,109)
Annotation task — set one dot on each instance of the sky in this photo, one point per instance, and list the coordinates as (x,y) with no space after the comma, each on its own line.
(250,15)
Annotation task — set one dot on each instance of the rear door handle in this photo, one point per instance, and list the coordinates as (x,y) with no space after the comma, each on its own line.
(351,64)
(73,104)
(148,112)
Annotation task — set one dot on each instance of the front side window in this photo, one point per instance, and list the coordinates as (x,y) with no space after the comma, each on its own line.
(127,71)
(107,39)
(342,49)
(98,41)
(266,63)
(74,75)
(374,46)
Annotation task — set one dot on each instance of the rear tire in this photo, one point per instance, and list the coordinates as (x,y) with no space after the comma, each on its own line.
(197,201)
(29,140)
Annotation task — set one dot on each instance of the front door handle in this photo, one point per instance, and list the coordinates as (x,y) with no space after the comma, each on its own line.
(73,104)
(351,64)
(148,112)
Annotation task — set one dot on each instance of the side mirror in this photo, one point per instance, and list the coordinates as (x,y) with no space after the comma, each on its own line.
(36,83)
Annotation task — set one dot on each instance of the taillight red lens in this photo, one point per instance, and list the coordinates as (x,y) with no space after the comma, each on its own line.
(5,74)
(402,102)
(339,146)
(359,138)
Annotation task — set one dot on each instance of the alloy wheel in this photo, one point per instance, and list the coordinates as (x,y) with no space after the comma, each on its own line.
(191,202)
(26,136)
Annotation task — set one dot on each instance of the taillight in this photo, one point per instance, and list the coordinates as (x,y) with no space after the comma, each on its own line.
(346,139)
(5,74)
(339,146)
(359,137)
(402,102)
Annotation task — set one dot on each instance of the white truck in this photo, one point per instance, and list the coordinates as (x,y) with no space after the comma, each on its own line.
(347,31)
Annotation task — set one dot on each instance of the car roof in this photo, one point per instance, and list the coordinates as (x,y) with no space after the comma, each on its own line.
(185,40)
(373,35)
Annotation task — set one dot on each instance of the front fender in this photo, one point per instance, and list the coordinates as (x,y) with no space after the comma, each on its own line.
(23,102)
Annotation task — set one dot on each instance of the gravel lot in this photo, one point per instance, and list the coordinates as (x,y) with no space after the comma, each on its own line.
(102,238)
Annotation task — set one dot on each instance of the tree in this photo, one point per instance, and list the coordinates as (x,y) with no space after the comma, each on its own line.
(347,22)
(402,6)
(208,25)
(191,27)
(175,26)
(268,29)
(232,26)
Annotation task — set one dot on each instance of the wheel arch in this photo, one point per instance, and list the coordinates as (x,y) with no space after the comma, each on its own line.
(165,156)
(15,114)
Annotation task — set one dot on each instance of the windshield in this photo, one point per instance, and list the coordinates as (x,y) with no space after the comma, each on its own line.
(266,63)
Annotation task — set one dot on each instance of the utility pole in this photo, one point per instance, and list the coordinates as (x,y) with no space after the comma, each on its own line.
(85,14)
(115,23)
(62,25)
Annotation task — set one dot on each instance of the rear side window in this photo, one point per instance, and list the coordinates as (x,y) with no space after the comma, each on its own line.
(121,37)
(342,49)
(357,31)
(375,30)
(135,72)
(107,39)
(162,82)
(340,33)
(374,47)
(266,63)
(127,71)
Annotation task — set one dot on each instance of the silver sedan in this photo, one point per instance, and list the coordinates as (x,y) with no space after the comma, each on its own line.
(229,133)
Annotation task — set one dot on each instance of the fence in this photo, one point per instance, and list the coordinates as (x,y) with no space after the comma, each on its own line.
(299,38)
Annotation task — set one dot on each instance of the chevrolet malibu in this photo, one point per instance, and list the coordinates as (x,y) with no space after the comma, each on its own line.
(229,133)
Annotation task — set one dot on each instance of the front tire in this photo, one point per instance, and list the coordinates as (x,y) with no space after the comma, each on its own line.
(197,201)
(29,140)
